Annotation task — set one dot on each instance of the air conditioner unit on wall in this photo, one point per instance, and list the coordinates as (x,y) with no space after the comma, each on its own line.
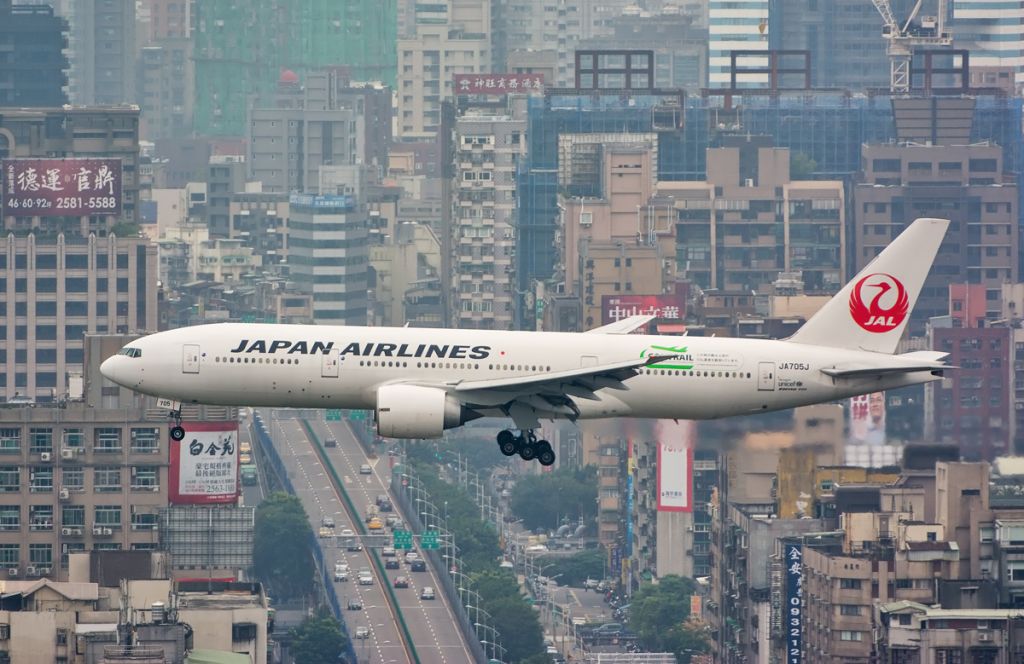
(45,456)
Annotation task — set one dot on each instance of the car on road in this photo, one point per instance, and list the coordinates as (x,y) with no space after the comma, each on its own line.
(385,506)
(392,521)
(327,522)
(411,556)
(353,544)
(245,447)
(610,629)
(340,575)
(330,442)
(366,579)
(325,532)
(355,604)
(392,563)
(244,458)
(418,566)
(362,632)
(346,532)
(401,582)
(388,552)
(375,524)
(427,593)
(537,548)
(365,469)
(591,584)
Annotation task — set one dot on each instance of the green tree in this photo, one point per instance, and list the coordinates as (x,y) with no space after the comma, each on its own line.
(520,630)
(495,584)
(577,568)
(659,613)
(318,641)
(546,500)
(801,166)
(281,554)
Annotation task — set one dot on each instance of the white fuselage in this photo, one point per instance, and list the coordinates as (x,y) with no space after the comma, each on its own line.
(343,367)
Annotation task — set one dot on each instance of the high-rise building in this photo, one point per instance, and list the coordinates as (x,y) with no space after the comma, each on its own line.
(737,25)
(103,50)
(992,31)
(452,37)
(33,70)
(488,146)
(225,177)
(242,47)
(328,254)
(164,89)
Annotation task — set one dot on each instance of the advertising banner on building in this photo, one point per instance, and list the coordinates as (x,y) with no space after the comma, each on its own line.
(669,307)
(867,419)
(794,621)
(675,477)
(204,466)
(60,187)
(498,84)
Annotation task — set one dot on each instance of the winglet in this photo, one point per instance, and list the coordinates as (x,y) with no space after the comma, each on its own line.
(872,311)
(624,326)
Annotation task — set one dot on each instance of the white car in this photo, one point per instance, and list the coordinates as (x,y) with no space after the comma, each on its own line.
(427,593)
(362,632)
(365,469)
(347,533)
(365,580)
(537,548)
(411,556)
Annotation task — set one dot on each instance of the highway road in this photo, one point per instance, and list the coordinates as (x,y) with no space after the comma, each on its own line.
(431,622)
(313,487)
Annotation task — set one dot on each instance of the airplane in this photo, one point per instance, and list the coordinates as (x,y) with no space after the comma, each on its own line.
(422,381)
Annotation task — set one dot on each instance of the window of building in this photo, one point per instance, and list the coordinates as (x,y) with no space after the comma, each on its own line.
(73,516)
(145,440)
(40,440)
(847,635)
(108,516)
(10,517)
(145,477)
(73,479)
(849,609)
(41,479)
(40,517)
(10,440)
(10,555)
(10,479)
(74,438)
(145,521)
(949,656)
(108,440)
(849,584)
(107,479)
(67,548)
(40,555)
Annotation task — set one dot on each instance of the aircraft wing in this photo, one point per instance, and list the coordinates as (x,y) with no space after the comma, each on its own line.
(624,326)
(549,395)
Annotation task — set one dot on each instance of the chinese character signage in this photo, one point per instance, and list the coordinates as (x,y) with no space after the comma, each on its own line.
(675,477)
(60,187)
(325,201)
(867,419)
(670,307)
(204,466)
(498,84)
(794,621)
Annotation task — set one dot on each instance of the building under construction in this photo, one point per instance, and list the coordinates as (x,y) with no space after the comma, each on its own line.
(242,46)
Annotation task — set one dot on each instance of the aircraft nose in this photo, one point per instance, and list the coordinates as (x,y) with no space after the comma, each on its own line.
(109,369)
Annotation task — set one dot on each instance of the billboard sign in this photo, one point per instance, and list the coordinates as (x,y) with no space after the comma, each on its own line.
(867,419)
(668,307)
(497,84)
(60,187)
(794,561)
(204,466)
(675,477)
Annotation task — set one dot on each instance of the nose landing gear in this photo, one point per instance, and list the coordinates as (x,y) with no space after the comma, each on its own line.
(177,431)
(527,446)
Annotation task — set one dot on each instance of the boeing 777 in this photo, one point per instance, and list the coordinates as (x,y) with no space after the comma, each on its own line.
(421,382)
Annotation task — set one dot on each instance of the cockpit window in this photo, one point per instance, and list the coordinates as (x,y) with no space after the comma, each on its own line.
(131,352)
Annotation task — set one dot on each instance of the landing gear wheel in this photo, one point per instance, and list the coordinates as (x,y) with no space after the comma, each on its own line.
(507,442)
(545,454)
(528,451)
(177,432)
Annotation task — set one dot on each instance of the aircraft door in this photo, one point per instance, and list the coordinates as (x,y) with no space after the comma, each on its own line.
(329,365)
(190,359)
(766,376)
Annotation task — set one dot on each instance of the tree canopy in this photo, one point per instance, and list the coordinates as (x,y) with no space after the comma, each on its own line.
(549,499)
(659,614)
(575,569)
(521,633)
(318,640)
(281,554)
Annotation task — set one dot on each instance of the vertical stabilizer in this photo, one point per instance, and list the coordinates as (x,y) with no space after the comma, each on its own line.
(872,310)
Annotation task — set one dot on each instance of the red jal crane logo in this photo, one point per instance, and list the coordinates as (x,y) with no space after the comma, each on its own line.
(887,306)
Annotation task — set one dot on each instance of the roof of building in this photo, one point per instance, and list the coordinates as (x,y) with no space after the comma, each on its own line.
(86,592)
(1011,466)
(906,606)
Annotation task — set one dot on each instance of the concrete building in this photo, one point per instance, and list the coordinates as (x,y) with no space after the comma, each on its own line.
(959,182)
(735,26)
(224,178)
(993,34)
(58,288)
(109,133)
(164,89)
(916,632)
(261,220)
(406,278)
(328,255)
(488,146)
(451,37)
(102,49)
(749,221)
(33,72)
(225,261)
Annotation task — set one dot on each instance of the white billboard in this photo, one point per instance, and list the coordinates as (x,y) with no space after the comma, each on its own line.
(204,466)
(675,477)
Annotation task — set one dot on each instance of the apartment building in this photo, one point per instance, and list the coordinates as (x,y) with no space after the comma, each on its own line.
(33,72)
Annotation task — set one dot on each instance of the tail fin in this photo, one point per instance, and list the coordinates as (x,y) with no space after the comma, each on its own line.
(871,312)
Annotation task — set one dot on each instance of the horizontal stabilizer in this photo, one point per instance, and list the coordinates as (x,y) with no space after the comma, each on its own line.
(907,363)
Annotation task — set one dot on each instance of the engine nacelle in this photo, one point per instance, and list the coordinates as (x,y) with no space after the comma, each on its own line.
(414,411)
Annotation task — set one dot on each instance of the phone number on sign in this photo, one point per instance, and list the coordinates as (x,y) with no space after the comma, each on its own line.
(64,203)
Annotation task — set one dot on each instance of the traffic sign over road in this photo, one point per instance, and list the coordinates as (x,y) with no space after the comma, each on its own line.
(428,540)
(403,539)
(334,416)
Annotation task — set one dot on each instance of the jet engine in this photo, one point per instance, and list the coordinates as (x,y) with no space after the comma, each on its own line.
(414,411)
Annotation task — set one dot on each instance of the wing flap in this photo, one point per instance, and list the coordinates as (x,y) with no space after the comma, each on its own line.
(624,326)
(603,375)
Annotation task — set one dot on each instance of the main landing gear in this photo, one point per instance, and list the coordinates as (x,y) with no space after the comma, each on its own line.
(177,431)
(527,446)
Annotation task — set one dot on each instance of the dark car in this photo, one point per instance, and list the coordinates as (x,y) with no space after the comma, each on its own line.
(392,563)
(355,604)
(401,582)
(330,442)
(418,566)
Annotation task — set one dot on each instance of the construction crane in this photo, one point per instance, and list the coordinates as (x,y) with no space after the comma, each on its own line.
(926,31)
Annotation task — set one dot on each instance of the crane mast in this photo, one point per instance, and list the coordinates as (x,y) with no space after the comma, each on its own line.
(903,40)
